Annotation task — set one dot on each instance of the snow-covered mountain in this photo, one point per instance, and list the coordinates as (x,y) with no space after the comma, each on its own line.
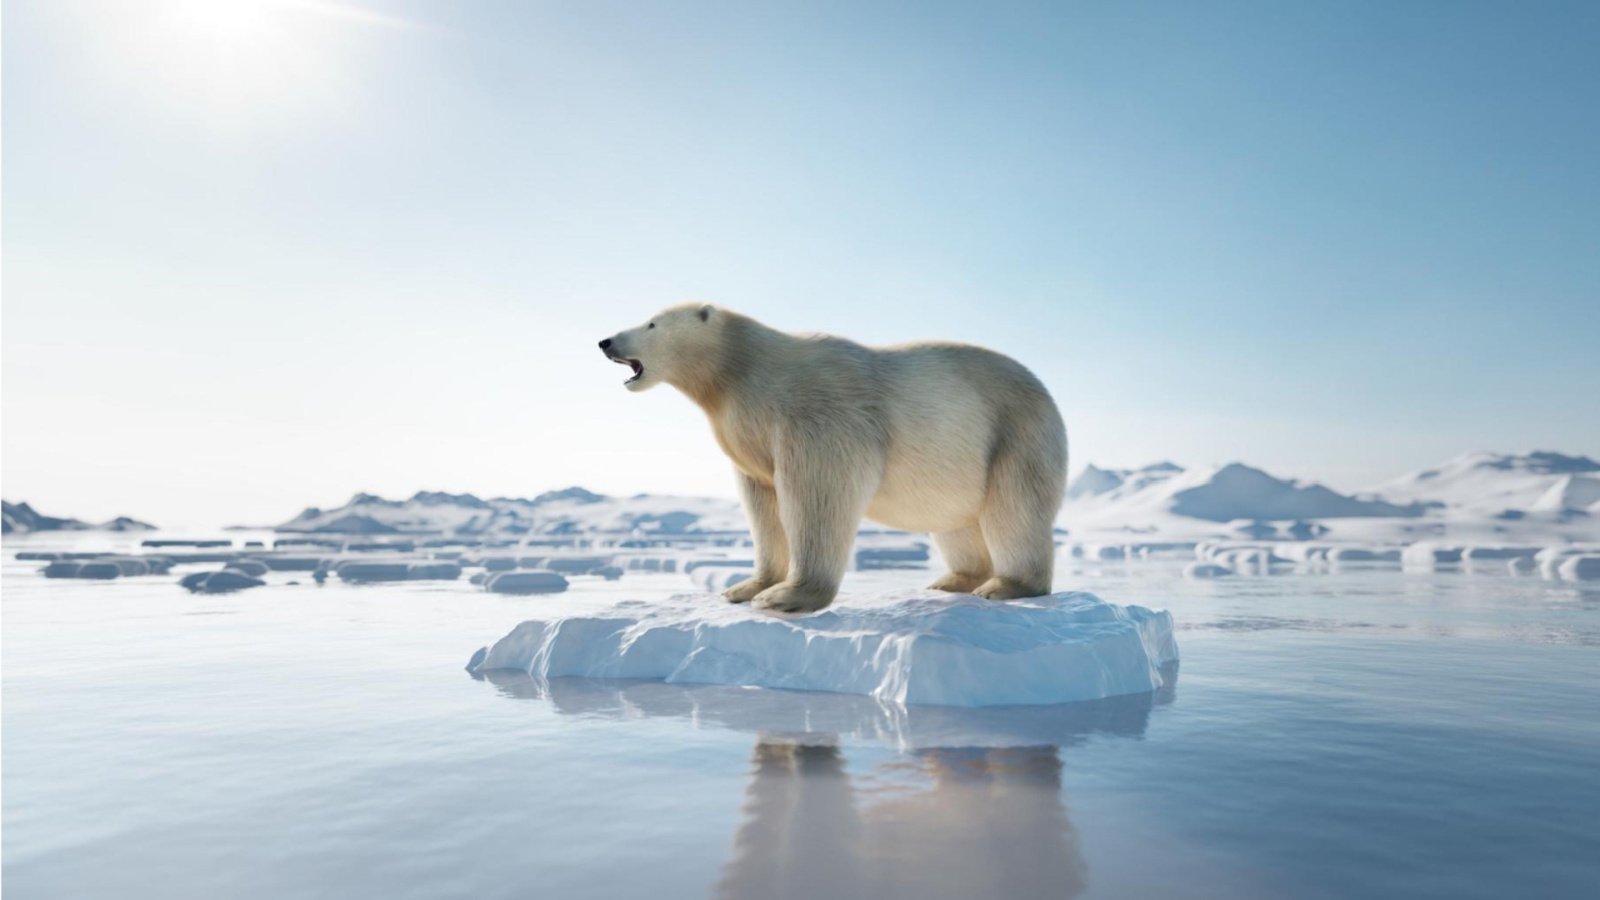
(569,511)
(20,518)
(1539,494)
(1094,481)
(1155,495)
(1503,485)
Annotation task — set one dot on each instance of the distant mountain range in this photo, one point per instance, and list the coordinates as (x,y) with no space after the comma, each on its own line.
(570,511)
(1217,494)
(1543,486)
(1539,488)
(1489,492)
(1504,485)
(20,518)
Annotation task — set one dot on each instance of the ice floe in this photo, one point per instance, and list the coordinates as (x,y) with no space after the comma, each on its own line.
(909,649)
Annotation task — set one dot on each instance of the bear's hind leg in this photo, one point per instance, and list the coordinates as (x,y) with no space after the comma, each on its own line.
(966,556)
(772,545)
(1024,559)
(1026,481)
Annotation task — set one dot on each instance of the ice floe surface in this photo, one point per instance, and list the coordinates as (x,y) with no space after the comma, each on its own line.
(910,649)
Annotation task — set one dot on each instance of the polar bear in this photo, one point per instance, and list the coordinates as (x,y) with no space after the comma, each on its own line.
(950,439)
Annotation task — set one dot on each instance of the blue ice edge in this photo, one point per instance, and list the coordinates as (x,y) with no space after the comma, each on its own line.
(911,649)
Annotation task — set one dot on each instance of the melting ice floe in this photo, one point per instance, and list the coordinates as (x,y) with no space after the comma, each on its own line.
(918,648)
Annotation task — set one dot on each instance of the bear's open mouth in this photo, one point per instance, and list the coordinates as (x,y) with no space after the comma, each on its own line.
(638,367)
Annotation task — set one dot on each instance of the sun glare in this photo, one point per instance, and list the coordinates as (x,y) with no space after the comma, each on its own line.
(243,63)
(222,22)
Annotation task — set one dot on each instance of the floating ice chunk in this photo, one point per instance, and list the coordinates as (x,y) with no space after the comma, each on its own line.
(1303,553)
(951,650)
(251,567)
(525,583)
(223,582)
(719,561)
(1478,553)
(288,563)
(1580,568)
(568,565)
(436,570)
(1206,570)
(884,555)
(650,563)
(1428,555)
(1255,560)
(1363,554)
(99,569)
(1550,559)
(362,572)
(62,569)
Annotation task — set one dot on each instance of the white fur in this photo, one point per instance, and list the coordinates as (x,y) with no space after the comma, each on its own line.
(946,438)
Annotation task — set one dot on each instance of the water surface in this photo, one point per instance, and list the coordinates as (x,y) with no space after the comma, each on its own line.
(1366,732)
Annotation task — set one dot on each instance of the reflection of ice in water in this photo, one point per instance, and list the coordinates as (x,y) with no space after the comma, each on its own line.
(803,716)
(944,819)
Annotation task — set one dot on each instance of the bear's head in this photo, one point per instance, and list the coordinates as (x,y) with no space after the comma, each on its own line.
(673,345)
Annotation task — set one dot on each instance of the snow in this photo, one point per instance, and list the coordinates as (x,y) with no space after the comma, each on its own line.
(1570,493)
(909,648)
(1476,498)
(1492,482)
(1215,494)
(1094,481)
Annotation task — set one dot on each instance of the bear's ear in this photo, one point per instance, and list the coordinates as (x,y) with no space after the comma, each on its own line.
(705,312)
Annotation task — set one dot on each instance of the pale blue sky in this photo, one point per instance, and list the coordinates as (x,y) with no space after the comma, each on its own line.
(260,254)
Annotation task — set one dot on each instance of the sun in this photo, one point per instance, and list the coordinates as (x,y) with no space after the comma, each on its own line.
(223,23)
(245,64)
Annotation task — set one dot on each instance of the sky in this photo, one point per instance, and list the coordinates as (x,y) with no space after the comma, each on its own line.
(263,254)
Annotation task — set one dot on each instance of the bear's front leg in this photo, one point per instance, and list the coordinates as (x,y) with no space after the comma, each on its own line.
(822,496)
(772,546)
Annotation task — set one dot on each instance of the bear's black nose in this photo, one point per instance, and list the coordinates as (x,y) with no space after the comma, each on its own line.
(605,344)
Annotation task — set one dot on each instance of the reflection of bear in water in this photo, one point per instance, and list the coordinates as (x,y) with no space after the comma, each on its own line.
(990,824)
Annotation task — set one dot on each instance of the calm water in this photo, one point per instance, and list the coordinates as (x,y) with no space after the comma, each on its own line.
(1365,733)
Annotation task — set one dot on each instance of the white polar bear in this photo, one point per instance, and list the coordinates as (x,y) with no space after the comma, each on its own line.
(950,439)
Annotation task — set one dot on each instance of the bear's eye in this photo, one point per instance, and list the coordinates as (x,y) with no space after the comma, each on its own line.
(652,324)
